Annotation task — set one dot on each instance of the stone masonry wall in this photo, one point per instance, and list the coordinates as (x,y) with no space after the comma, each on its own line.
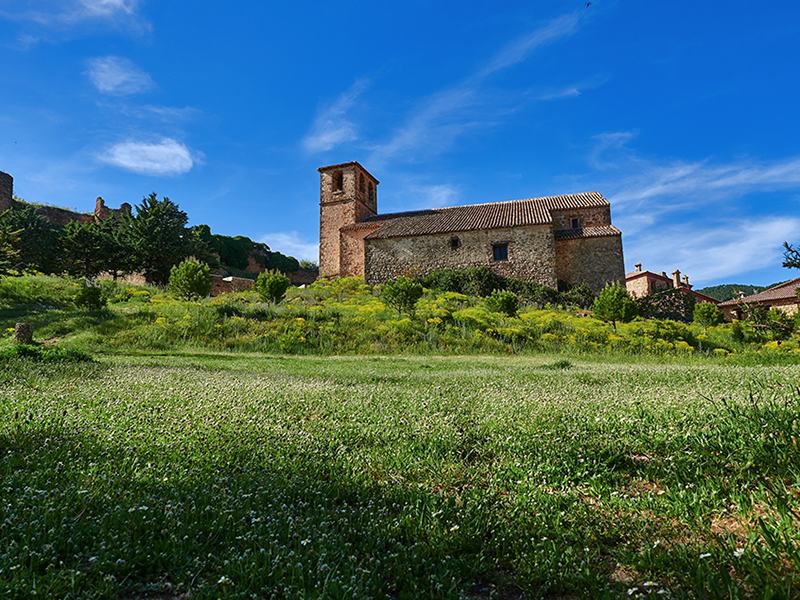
(6,191)
(595,261)
(531,254)
(351,262)
(589,217)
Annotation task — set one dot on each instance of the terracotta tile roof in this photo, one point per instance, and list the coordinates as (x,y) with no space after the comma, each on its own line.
(587,232)
(493,215)
(782,291)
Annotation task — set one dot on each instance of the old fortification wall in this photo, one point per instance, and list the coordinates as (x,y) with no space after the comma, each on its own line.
(6,191)
(224,285)
(595,261)
(531,254)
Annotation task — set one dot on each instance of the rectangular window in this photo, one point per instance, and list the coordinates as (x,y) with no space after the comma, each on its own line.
(576,223)
(500,251)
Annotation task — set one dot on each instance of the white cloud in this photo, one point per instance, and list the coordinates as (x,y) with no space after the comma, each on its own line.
(73,16)
(331,126)
(167,157)
(448,114)
(431,196)
(710,253)
(291,244)
(118,76)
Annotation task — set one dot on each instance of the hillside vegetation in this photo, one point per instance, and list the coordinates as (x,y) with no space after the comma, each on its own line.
(346,316)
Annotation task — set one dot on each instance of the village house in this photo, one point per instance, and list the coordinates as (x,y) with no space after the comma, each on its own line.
(557,239)
(782,296)
(641,283)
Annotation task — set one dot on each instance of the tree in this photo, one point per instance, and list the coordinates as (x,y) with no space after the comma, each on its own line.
(707,314)
(402,293)
(672,303)
(791,256)
(83,249)
(614,304)
(8,240)
(272,286)
(503,302)
(158,237)
(190,280)
(36,241)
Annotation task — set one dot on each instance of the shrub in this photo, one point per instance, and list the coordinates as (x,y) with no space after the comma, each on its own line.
(43,354)
(272,286)
(503,302)
(402,293)
(91,297)
(190,280)
(614,304)
(707,315)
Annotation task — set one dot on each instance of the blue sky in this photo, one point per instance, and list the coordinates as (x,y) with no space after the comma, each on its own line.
(683,114)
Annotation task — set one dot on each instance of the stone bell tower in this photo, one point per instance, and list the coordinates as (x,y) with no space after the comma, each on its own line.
(348,194)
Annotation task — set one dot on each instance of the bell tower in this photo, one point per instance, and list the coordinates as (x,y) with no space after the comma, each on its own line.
(347,194)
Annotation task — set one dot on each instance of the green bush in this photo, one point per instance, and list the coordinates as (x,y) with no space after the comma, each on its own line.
(190,280)
(503,302)
(43,354)
(90,297)
(402,293)
(272,286)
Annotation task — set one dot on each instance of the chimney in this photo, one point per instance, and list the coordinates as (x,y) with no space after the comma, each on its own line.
(663,273)
(638,267)
(676,278)
(685,280)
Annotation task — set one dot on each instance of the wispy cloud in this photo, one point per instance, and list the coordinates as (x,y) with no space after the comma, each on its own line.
(711,253)
(442,117)
(73,15)
(164,158)
(431,196)
(291,243)
(332,126)
(118,76)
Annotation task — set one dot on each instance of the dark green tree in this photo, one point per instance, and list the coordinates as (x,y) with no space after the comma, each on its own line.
(36,243)
(272,286)
(672,303)
(158,237)
(84,251)
(614,304)
(791,256)
(8,240)
(190,280)
(402,293)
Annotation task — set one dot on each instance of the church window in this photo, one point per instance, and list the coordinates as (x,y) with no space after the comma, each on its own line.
(338,181)
(576,223)
(455,243)
(371,192)
(361,186)
(500,251)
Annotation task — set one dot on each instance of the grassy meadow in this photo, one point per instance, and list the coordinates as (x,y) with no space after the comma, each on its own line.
(185,462)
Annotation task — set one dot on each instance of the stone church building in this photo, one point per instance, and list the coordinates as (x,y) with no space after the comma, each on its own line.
(567,239)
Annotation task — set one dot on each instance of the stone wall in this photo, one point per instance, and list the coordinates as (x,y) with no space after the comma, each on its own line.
(6,191)
(531,254)
(588,217)
(224,285)
(62,216)
(594,261)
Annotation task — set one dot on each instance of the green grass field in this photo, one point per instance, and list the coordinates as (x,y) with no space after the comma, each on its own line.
(245,475)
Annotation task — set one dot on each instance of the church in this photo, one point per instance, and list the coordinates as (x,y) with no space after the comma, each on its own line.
(552,240)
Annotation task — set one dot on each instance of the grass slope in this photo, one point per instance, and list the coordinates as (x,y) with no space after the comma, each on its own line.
(222,475)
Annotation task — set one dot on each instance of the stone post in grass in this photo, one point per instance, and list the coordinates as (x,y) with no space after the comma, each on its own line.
(23,333)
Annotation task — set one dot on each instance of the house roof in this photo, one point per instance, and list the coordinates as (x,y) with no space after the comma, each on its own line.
(493,215)
(782,291)
(587,232)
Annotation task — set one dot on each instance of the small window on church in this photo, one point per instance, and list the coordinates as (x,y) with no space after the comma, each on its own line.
(455,243)
(338,181)
(576,223)
(500,251)
(371,192)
